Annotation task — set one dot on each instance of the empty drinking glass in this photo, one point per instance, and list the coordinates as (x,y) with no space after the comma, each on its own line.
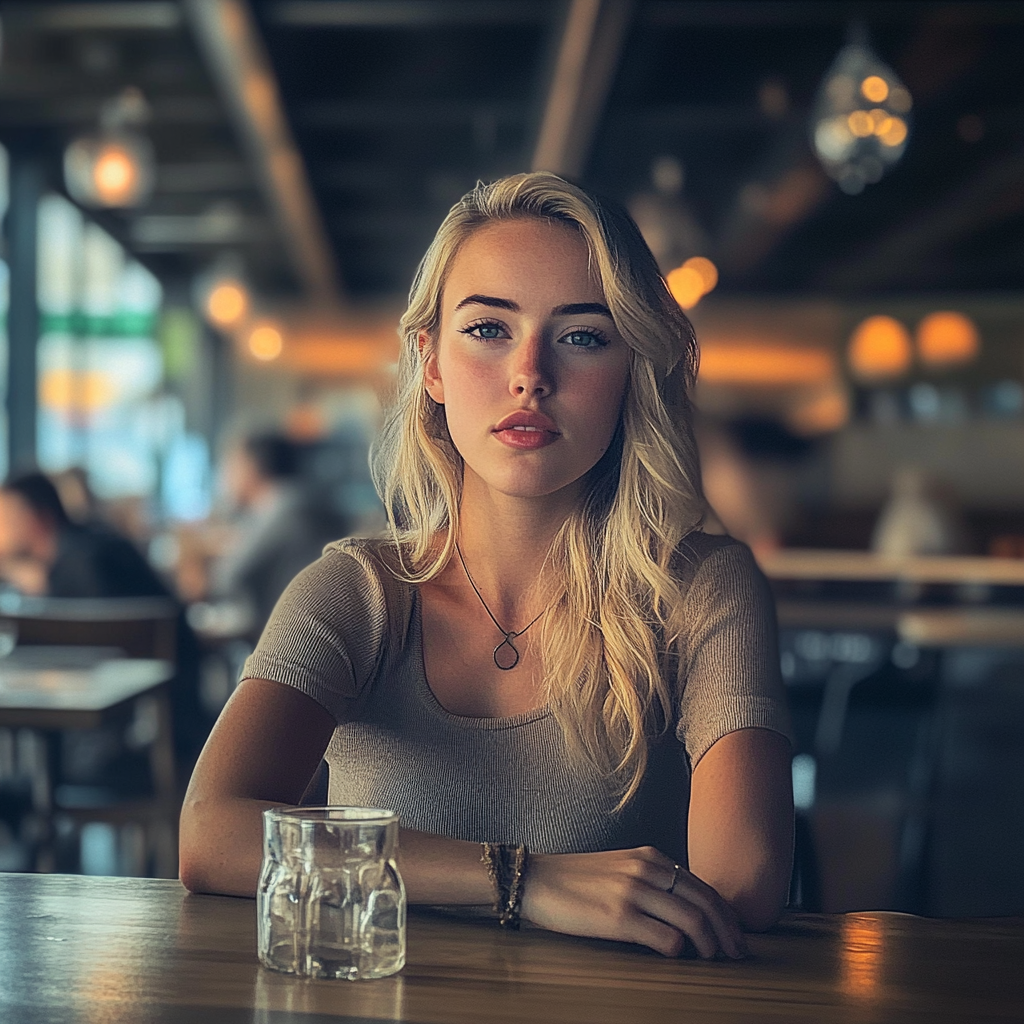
(330,901)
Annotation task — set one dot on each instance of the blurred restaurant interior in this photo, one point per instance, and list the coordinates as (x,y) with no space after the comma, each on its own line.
(213,210)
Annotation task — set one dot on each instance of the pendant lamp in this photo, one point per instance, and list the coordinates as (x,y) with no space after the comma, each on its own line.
(861,119)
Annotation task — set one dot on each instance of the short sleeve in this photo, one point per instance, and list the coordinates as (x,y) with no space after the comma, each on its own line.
(732,678)
(326,632)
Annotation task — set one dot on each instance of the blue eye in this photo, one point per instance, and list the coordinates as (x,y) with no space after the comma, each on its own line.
(584,339)
(486,331)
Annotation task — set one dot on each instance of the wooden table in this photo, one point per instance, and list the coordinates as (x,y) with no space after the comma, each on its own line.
(815,564)
(76,949)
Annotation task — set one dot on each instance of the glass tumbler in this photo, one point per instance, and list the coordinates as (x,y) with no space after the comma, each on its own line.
(330,901)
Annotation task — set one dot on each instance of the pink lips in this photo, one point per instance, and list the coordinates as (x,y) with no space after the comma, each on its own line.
(526,430)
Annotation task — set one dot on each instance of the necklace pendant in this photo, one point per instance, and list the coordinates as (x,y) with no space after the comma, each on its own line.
(506,656)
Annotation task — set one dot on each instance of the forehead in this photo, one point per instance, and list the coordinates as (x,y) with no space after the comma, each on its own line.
(527,256)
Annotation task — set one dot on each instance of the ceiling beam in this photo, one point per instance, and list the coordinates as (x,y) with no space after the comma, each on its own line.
(588,56)
(85,17)
(788,185)
(397,113)
(239,66)
(744,14)
(407,13)
(994,195)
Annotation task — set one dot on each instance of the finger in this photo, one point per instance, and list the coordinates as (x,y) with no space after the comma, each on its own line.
(657,935)
(718,912)
(698,919)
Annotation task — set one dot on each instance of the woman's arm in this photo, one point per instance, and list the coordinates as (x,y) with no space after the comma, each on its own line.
(741,823)
(263,752)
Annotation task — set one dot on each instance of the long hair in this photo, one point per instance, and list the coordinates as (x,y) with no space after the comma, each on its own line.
(609,635)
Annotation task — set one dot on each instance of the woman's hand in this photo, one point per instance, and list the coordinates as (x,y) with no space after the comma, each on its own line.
(623,895)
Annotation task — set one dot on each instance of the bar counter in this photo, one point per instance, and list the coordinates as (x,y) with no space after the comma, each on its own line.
(111,950)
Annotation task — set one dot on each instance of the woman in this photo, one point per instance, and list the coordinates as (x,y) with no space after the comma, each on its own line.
(546,652)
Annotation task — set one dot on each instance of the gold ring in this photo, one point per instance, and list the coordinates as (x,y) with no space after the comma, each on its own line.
(676,869)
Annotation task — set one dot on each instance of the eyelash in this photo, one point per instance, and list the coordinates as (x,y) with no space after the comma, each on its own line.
(597,335)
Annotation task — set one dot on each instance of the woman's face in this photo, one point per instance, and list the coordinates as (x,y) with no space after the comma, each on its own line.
(528,364)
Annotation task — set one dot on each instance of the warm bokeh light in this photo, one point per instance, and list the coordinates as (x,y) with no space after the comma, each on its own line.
(706,269)
(861,956)
(875,89)
(227,303)
(686,286)
(115,176)
(266,342)
(749,363)
(69,391)
(821,413)
(946,338)
(692,281)
(893,132)
(861,124)
(880,347)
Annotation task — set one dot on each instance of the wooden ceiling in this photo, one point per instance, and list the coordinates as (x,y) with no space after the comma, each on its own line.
(396,107)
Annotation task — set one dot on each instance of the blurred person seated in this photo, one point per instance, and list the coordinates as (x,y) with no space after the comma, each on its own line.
(920,517)
(76,495)
(281,528)
(44,554)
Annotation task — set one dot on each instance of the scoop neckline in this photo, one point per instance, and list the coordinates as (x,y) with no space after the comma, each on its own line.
(436,708)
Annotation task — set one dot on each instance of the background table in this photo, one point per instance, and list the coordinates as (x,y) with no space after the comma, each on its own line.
(76,949)
(48,689)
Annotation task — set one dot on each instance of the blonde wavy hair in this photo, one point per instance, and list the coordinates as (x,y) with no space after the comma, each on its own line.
(609,636)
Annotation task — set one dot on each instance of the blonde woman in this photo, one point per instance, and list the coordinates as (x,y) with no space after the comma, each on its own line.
(545,654)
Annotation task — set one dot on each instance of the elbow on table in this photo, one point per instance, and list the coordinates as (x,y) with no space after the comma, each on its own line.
(759,896)
(759,901)
(758,915)
(195,869)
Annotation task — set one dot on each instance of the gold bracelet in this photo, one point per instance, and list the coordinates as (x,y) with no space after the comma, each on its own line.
(491,857)
(510,917)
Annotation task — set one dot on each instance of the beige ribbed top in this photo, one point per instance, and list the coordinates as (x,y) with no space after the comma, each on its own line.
(348,634)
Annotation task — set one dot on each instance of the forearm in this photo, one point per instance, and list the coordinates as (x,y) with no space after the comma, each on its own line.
(222,848)
(443,871)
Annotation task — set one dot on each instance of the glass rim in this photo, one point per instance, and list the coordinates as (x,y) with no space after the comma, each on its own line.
(333,814)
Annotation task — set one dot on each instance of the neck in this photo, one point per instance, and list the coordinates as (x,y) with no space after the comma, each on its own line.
(505,542)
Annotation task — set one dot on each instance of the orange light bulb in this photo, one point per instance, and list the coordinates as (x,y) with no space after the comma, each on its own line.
(880,348)
(227,303)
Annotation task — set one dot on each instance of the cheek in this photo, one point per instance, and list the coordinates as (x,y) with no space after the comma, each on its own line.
(602,400)
(468,391)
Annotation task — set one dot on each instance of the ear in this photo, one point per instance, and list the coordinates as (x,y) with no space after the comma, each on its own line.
(431,371)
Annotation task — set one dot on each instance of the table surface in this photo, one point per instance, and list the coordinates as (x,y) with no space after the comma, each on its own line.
(76,949)
(827,564)
(63,694)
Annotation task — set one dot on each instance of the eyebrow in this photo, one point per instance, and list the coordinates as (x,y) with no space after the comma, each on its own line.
(569,309)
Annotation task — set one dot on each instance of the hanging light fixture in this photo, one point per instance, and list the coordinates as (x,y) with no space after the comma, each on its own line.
(861,118)
(114,168)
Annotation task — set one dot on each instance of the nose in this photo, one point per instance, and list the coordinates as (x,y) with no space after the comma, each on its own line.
(531,373)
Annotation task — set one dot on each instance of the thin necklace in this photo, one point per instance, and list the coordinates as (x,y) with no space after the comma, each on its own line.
(509,634)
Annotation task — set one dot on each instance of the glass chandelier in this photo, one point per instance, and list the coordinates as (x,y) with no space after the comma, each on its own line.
(861,118)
